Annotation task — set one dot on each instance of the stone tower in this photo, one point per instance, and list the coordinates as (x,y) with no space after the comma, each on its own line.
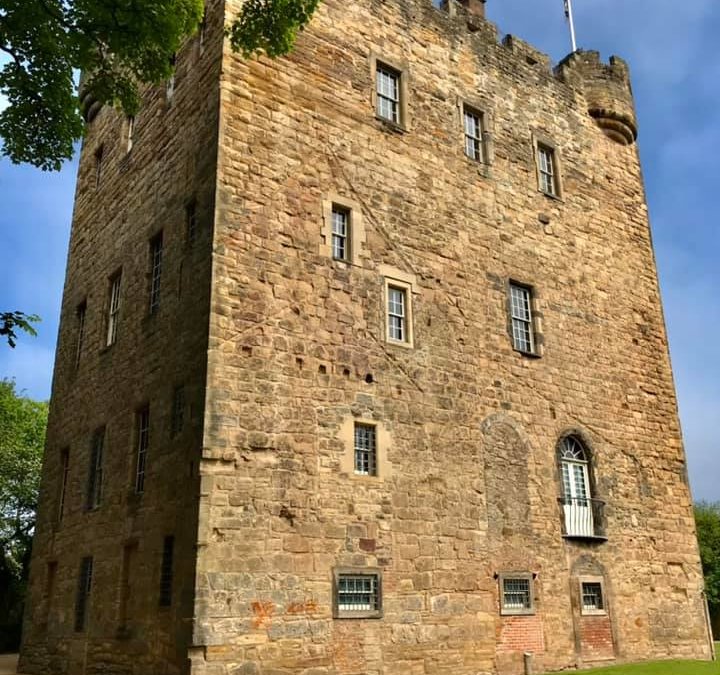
(362,369)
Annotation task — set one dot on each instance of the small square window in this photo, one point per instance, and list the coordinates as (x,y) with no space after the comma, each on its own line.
(473,124)
(341,236)
(523,334)
(388,92)
(547,170)
(592,597)
(516,594)
(365,450)
(358,594)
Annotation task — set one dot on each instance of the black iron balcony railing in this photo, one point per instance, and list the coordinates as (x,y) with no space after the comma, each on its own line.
(583,518)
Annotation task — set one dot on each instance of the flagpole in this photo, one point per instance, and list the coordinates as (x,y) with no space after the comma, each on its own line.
(569,15)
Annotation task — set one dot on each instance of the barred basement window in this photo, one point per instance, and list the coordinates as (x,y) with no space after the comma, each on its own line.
(80,312)
(178,411)
(473,123)
(166,572)
(521,318)
(83,593)
(113,309)
(357,594)
(156,255)
(516,594)
(340,233)
(387,82)
(592,597)
(95,477)
(365,450)
(547,170)
(143,442)
(64,473)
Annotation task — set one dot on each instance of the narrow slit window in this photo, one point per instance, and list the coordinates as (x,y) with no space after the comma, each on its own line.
(95,479)
(64,475)
(388,93)
(397,313)
(83,593)
(340,233)
(166,572)
(365,450)
(473,123)
(156,257)
(99,158)
(521,318)
(143,443)
(178,410)
(547,170)
(113,309)
(80,313)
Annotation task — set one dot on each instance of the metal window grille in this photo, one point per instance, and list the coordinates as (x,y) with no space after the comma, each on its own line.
(358,593)
(340,232)
(546,168)
(64,474)
(396,313)
(113,310)
(178,410)
(521,316)
(592,596)
(166,572)
(83,593)
(365,450)
(516,594)
(473,135)
(95,480)
(156,253)
(388,93)
(81,311)
(191,222)
(143,443)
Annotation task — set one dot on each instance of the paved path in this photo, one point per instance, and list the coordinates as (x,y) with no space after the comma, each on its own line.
(8,663)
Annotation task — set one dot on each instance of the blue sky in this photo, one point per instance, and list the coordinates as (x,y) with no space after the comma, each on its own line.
(675,64)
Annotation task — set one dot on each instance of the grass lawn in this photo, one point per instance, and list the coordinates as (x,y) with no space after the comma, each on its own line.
(664,668)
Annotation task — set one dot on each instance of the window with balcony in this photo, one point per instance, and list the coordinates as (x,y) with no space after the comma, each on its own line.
(583,516)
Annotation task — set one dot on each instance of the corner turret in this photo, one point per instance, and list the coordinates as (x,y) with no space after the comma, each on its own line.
(607,91)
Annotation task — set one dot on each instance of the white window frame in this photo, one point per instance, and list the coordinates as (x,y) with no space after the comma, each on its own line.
(510,577)
(388,102)
(475,140)
(371,610)
(522,321)
(397,280)
(114,308)
(399,116)
(341,242)
(397,312)
(355,242)
(366,453)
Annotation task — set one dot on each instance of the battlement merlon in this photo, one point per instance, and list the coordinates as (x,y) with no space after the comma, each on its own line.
(607,90)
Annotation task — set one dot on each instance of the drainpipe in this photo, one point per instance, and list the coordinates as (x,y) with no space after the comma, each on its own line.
(528,658)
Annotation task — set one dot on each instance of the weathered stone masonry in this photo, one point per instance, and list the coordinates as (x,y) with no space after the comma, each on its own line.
(282,351)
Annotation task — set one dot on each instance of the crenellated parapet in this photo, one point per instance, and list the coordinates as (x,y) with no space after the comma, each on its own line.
(607,90)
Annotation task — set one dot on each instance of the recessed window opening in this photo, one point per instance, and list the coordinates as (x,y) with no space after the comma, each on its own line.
(340,233)
(473,123)
(388,93)
(191,222)
(365,450)
(546,170)
(592,597)
(64,474)
(113,309)
(95,479)
(178,410)
(80,313)
(143,443)
(358,593)
(156,256)
(166,572)
(397,303)
(516,594)
(83,593)
(521,318)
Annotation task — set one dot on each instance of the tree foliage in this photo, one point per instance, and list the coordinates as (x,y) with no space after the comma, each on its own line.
(118,45)
(22,439)
(707,519)
(11,322)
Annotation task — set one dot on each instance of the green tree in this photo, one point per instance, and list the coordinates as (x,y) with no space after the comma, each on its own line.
(11,322)
(119,45)
(22,439)
(707,519)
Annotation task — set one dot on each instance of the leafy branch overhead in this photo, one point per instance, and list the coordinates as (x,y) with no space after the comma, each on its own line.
(120,44)
(11,322)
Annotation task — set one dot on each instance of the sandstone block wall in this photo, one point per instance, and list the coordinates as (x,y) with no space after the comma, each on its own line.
(298,351)
(138,193)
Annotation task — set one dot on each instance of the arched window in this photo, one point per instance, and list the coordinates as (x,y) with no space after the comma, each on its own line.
(578,505)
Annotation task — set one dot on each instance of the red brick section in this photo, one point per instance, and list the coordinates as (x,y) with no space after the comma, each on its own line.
(521,634)
(596,636)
